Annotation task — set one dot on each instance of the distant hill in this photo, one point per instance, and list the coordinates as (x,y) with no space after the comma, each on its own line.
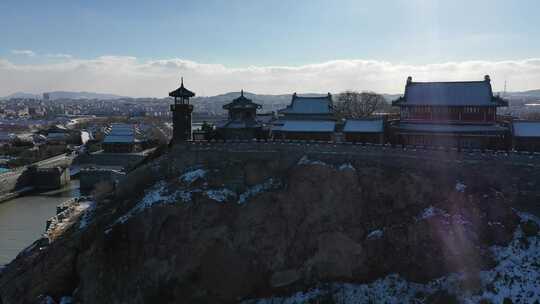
(22,95)
(65,95)
(82,95)
(525,94)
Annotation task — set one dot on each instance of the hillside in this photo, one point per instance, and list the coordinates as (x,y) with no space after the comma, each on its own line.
(218,227)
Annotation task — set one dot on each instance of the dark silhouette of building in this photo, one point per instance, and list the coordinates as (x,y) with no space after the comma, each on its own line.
(456,114)
(242,121)
(181,114)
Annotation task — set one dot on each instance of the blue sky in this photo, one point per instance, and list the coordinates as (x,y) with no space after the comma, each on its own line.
(240,34)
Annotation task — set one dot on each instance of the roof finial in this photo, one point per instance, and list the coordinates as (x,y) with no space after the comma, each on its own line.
(242,92)
(182,81)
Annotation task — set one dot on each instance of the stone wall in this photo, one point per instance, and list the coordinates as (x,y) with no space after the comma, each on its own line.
(515,173)
(89,178)
(124,160)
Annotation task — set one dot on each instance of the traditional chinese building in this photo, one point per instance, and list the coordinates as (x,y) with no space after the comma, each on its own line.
(309,108)
(122,138)
(181,113)
(242,120)
(306,118)
(364,130)
(526,135)
(457,114)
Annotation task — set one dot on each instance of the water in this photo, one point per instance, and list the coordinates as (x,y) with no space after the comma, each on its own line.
(22,220)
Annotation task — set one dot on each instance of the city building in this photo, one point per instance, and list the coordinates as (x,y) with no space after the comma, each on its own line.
(460,114)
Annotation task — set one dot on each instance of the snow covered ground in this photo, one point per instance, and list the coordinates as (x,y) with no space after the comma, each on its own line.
(163,192)
(516,277)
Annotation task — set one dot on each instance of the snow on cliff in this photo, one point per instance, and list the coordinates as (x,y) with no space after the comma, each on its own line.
(516,277)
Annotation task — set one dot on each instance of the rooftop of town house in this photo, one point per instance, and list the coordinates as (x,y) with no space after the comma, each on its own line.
(450,93)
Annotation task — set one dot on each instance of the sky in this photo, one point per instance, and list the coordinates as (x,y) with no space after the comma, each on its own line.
(142,48)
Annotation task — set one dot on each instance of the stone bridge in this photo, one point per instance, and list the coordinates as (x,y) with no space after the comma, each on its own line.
(43,174)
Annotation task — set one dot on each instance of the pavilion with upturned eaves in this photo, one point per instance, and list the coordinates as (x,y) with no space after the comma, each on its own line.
(242,120)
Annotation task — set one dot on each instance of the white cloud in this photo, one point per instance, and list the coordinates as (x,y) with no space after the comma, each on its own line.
(129,76)
(28,53)
(60,56)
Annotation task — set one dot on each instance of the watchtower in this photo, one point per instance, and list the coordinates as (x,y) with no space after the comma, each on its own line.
(181,110)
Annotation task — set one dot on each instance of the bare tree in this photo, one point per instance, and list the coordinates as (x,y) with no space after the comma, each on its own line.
(352,104)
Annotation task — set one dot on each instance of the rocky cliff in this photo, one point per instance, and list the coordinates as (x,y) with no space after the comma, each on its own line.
(196,229)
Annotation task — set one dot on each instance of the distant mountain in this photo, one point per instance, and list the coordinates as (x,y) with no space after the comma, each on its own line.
(65,95)
(22,95)
(524,94)
(81,95)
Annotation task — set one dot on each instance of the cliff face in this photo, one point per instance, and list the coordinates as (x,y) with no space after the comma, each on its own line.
(203,231)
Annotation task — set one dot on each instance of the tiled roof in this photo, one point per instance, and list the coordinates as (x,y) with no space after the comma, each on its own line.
(119,139)
(526,128)
(181,91)
(309,105)
(460,93)
(364,126)
(121,133)
(450,128)
(307,126)
(242,103)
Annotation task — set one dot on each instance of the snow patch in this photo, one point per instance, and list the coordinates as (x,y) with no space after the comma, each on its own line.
(460,187)
(516,276)
(375,234)
(431,212)
(156,195)
(220,195)
(306,161)
(343,167)
(66,300)
(346,166)
(88,209)
(252,191)
(193,175)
